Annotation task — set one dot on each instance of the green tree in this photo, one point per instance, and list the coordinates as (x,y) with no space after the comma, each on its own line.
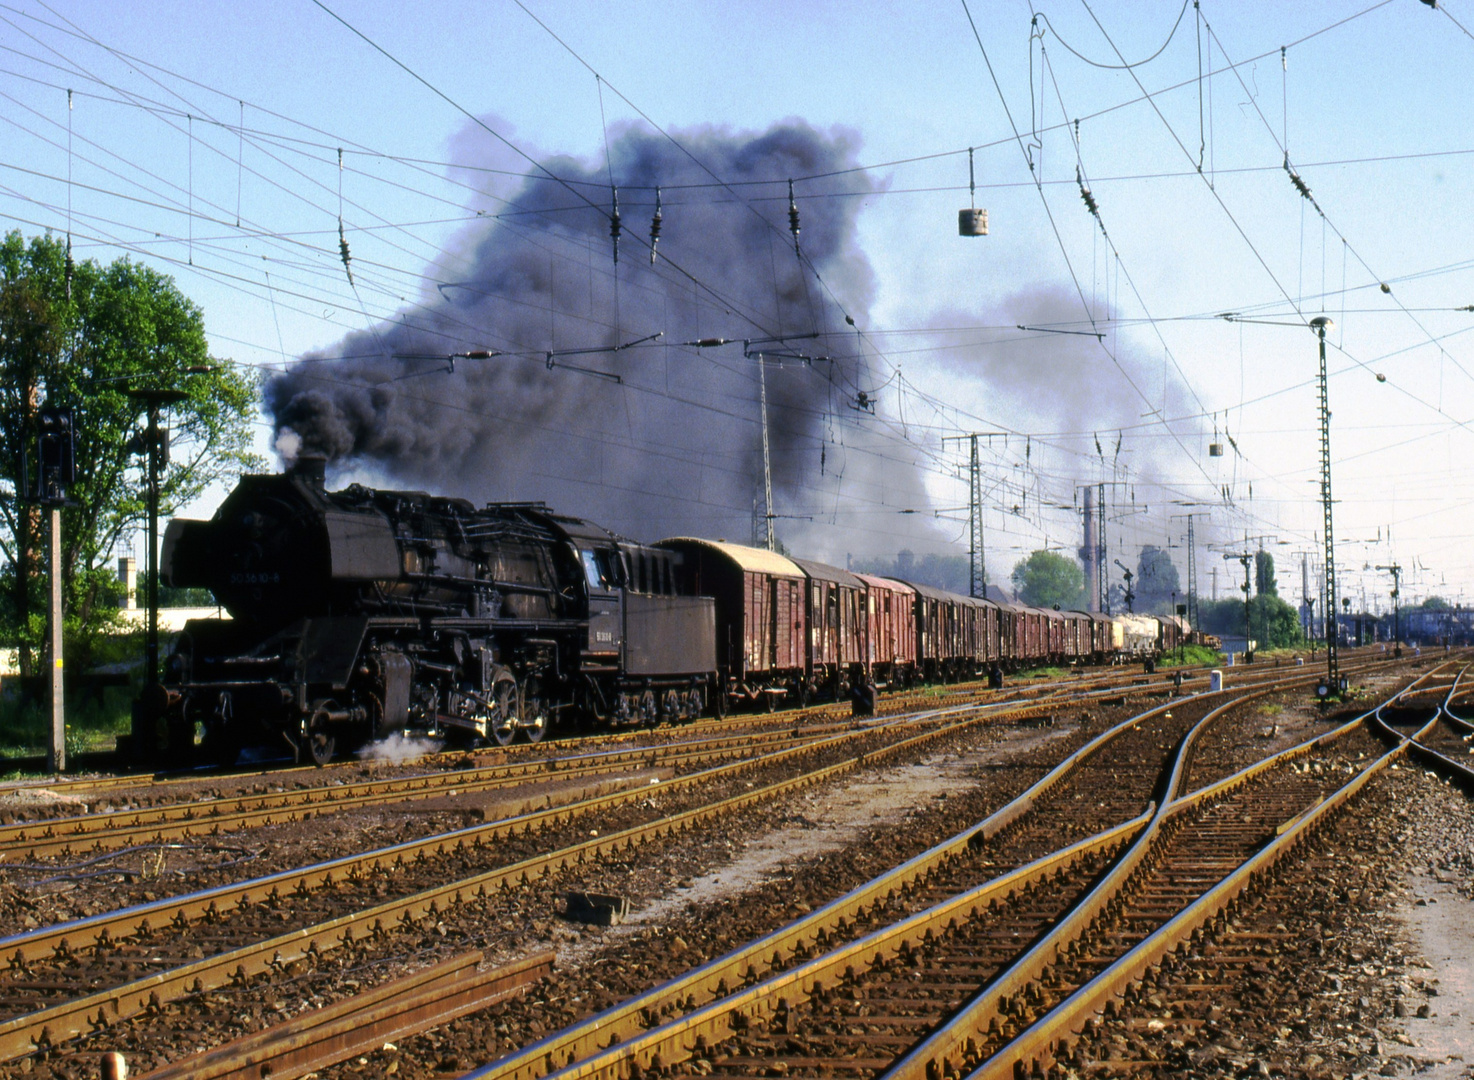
(1264,583)
(1046,579)
(1276,624)
(82,335)
(1156,581)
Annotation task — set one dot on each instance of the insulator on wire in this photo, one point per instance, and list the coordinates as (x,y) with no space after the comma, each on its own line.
(655,227)
(1300,184)
(793,220)
(71,266)
(1089,199)
(344,254)
(614,226)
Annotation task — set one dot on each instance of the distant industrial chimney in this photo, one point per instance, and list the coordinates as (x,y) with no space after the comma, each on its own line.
(128,578)
(1087,553)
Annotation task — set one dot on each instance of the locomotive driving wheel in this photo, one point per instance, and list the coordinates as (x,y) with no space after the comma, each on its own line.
(317,734)
(534,711)
(501,720)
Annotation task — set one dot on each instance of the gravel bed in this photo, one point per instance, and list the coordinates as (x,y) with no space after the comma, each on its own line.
(1334,971)
(600,965)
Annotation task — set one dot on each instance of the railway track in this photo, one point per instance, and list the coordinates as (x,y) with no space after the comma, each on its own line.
(800,1018)
(99,832)
(95,833)
(109,948)
(205,921)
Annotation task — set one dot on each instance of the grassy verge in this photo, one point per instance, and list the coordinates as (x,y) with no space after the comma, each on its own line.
(1043,673)
(92,725)
(1190,655)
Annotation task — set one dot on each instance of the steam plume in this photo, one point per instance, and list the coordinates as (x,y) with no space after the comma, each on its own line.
(675,447)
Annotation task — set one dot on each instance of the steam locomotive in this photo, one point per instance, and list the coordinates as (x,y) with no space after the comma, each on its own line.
(362,613)
(359,613)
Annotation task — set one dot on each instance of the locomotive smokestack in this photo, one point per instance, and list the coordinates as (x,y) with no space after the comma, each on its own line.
(312,468)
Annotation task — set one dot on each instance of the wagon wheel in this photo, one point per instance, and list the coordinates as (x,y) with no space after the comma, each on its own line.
(720,703)
(770,701)
(501,721)
(317,734)
(648,713)
(803,693)
(534,712)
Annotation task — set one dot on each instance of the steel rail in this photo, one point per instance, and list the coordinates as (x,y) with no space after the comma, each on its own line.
(394,1010)
(1433,757)
(1047,1037)
(774,950)
(94,833)
(628,1019)
(942,1052)
(107,928)
(674,1041)
(47,1028)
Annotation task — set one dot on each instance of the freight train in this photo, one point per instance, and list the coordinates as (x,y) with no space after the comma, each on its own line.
(361,613)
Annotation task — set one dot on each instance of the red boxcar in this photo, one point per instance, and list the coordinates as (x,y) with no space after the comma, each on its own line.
(939,635)
(835,652)
(891,632)
(760,611)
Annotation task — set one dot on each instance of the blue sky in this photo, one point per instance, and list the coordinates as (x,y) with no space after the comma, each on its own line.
(1373,112)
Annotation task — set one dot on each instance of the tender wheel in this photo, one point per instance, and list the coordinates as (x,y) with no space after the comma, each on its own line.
(720,703)
(534,712)
(501,724)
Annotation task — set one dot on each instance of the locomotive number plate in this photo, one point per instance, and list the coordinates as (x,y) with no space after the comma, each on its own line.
(262,577)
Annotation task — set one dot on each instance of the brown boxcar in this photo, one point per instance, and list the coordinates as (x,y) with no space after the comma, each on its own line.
(992,652)
(939,632)
(891,630)
(834,653)
(1010,634)
(760,614)
(1099,630)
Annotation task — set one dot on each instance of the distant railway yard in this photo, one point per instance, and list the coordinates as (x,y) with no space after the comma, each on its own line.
(1098,874)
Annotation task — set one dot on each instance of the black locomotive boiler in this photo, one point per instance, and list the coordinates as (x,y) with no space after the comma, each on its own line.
(360,613)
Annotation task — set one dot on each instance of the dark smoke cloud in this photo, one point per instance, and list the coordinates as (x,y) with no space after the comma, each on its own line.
(677,447)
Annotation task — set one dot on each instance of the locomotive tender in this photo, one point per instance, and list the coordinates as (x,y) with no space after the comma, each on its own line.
(362,613)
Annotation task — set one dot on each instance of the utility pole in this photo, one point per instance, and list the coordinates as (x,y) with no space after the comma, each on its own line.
(54,474)
(1247,559)
(977,562)
(1320,324)
(1396,571)
(1103,585)
(1192,572)
(1192,575)
(153,442)
(762,380)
